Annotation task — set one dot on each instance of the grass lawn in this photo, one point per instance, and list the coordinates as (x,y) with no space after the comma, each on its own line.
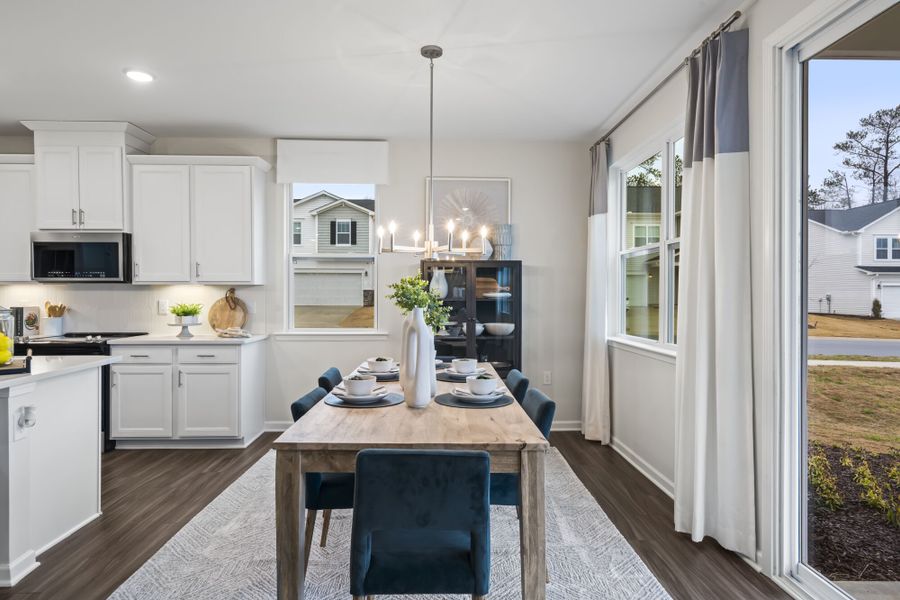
(853,327)
(854,357)
(856,406)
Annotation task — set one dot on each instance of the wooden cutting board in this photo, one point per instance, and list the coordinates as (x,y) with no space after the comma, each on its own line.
(229,311)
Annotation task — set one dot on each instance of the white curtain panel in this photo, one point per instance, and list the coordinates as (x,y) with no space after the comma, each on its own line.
(595,386)
(714,461)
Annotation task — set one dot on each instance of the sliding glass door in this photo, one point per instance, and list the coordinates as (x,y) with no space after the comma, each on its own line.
(850,294)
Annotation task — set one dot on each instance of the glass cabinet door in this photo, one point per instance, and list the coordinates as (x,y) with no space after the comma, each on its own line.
(497,315)
(451,282)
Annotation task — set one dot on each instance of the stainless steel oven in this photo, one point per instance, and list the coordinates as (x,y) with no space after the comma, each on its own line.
(75,256)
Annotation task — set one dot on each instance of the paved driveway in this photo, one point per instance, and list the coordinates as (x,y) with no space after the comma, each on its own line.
(858,346)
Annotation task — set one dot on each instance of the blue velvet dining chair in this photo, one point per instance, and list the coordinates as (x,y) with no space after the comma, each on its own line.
(330,378)
(540,409)
(421,523)
(324,491)
(517,384)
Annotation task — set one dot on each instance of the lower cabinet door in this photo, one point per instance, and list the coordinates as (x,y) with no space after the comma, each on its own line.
(141,401)
(207,401)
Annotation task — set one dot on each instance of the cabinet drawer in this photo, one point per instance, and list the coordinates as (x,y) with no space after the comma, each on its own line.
(144,354)
(208,354)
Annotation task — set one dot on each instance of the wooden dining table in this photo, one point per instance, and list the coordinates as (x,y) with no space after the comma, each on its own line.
(327,439)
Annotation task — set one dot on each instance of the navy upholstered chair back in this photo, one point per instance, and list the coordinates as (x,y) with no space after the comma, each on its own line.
(517,384)
(330,378)
(421,523)
(540,409)
(303,404)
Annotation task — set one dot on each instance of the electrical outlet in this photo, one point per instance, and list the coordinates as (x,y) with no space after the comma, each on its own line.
(162,307)
(548,378)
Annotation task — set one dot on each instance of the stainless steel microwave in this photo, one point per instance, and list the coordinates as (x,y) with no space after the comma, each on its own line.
(75,256)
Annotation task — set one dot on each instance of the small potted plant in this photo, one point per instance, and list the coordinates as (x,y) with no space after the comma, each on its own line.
(186,314)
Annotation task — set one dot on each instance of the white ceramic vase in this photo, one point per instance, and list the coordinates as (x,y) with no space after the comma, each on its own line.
(439,284)
(417,369)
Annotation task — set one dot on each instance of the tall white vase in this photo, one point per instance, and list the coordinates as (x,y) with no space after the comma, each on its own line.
(417,371)
(438,284)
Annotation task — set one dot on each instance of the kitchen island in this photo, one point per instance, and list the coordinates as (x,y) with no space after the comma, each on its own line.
(50,451)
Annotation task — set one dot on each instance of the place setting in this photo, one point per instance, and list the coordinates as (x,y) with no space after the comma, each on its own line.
(460,369)
(383,368)
(361,390)
(481,390)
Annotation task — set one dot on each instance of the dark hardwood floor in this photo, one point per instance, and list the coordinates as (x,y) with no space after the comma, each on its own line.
(149,495)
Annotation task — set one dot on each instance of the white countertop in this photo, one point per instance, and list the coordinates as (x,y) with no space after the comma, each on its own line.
(198,339)
(47,367)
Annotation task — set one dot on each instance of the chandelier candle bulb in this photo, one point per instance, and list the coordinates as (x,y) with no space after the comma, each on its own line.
(465,239)
(380,239)
(392,229)
(483,232)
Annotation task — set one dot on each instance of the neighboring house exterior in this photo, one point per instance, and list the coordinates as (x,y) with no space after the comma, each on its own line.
(642,227)
(854,258)
(333,251)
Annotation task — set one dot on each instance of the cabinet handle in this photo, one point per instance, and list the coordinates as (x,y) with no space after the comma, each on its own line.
(115,379)
(80,217)
(197,269)
(137,269)
(139,355)
(74,217)
(206,356)
(180,382)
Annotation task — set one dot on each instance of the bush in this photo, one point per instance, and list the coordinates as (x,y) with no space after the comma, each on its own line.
(824,481)
(876,308)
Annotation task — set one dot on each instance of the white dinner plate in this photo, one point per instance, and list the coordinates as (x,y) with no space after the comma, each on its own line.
(478,371)
(467,396)
(368,371)
(359,399)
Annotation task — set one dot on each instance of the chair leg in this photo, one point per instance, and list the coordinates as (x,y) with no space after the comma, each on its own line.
(310,526)
(326,521)
(519,511)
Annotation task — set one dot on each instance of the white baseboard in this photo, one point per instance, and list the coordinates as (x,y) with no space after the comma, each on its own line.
(12,573)
(566,426)
(276,425)
(185,444)
(646,469)
(60,538)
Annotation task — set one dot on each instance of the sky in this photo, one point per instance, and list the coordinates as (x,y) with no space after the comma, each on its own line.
(841,92)
(362,191)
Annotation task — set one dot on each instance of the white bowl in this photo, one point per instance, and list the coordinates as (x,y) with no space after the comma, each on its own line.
(479,328)
(500,328)
(380,366)
(464,365)
(359,385)
(481,387)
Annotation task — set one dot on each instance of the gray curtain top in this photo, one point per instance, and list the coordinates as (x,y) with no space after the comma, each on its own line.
(599,200)
(717,111)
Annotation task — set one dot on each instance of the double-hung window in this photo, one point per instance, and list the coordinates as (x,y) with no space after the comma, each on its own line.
(884,245)
(342,229)
(649,250)
(298,232)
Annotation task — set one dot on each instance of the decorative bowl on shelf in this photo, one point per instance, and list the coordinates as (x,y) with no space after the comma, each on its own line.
(479,328)
(500,328)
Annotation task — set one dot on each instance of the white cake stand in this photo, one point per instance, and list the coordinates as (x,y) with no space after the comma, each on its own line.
(185,329)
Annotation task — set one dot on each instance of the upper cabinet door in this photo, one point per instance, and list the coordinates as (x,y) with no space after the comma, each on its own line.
(57,187)
(222,224)
(161,242)
(17,206)
(101,190)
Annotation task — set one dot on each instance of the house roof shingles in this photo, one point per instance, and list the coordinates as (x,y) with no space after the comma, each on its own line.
(853,219)
(362,203)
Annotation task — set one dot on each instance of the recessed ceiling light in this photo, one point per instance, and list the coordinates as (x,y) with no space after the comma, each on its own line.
(139,76)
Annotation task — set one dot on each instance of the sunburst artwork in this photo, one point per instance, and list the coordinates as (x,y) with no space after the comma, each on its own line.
(470,202)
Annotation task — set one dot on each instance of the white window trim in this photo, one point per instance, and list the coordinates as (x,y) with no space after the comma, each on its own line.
(665,143)
(289,333)
(294,232)
(887,250)
(781,332)
(348,233)
(646,227)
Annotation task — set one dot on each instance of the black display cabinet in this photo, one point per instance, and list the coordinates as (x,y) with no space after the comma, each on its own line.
(485,298)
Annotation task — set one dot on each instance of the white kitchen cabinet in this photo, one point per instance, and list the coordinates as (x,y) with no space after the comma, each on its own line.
(207,401)
(141,401)
(57,187)
(101,192)
(223,221)
(161,242)
(224,228)
(17,206)
(214,394)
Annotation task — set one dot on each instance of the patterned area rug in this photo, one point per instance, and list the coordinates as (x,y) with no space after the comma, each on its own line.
(228,549)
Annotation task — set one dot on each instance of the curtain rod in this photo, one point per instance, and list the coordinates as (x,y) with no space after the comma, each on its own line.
(716,33)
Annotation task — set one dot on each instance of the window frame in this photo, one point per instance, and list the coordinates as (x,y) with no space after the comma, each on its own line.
(338,233)
(891,249)
(666,246)
(646,227)
(295,232)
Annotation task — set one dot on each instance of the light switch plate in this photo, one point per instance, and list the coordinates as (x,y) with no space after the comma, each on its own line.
(162,307)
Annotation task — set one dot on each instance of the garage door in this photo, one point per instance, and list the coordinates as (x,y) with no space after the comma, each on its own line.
(890,301)
(331,289)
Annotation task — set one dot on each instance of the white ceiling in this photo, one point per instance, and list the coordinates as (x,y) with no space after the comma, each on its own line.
(512,69)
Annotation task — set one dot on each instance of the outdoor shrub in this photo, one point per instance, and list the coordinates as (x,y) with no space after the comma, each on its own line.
(824,481)
(871,494)
(894,474)
(846,461)
(876,308)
